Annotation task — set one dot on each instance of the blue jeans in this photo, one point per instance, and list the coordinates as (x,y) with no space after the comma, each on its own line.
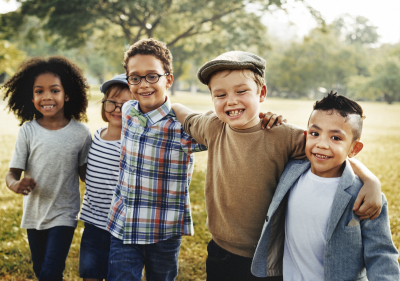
(160,259)
(222,265)
(49,250)
(94,252)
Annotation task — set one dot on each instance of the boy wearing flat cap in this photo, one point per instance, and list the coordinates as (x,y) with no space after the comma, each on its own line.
(237,192)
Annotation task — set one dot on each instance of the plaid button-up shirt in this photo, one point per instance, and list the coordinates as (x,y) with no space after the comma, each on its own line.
(151,200)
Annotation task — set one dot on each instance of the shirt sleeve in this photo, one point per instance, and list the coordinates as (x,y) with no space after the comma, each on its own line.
(85,149)
(20,156)
(298,143)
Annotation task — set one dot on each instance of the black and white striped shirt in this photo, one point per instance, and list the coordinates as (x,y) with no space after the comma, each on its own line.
(101,179)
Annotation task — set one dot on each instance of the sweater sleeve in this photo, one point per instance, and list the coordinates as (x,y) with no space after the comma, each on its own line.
(201,126)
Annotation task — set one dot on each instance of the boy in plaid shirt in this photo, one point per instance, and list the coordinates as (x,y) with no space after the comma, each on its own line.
(150,210)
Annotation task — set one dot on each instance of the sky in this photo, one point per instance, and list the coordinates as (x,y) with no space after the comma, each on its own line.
(297,21)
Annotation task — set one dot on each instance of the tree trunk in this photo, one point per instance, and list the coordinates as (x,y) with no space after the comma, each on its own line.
(388,98)
(173,87)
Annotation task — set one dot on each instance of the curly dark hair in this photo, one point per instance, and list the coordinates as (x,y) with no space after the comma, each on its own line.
(150,47)
(19,88)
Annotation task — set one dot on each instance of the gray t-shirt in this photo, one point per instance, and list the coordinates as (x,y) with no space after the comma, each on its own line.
(51,158)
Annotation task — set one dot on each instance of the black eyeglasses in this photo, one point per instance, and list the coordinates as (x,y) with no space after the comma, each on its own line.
(151,78)
(110,106)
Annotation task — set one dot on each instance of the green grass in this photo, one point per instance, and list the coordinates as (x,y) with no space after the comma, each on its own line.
(381,155)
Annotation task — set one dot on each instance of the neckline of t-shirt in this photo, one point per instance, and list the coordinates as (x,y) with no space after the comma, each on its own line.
(253,129)
(69,123)
(321,179)
(103,140)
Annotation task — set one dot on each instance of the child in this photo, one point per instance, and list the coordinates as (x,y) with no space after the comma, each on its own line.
(101,178)
(238,190)
(150,209)
(51,150)
(318,233)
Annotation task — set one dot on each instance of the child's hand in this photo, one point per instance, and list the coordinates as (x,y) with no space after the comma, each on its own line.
(369,201)
(23,186)
(269,119)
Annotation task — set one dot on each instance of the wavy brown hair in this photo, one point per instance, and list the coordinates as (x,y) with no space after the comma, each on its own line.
(19,88)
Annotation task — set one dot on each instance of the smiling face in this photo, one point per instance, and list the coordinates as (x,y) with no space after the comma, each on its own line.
(115,118)
(329,140)
(236,99)
(48,96)
(150,96)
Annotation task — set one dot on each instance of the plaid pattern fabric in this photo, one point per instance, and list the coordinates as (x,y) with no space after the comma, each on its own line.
(151,200)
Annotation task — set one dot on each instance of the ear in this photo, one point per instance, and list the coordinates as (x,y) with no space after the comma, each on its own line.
(357,147)
(170,80)
(305,134)
(66,98)
(263,93)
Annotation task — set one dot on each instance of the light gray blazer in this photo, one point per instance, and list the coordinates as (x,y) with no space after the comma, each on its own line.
(362,250)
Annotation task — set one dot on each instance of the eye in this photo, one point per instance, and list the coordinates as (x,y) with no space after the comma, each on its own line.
(314,134)
(38,92)
(152,76)
(242,92)
(220,96)
(336,138)
(55,91)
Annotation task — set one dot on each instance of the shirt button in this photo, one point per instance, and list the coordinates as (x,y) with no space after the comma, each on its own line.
(266,218)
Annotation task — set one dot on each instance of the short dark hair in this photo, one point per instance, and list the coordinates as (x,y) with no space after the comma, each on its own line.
(345,107)
(19,88)
(150,47)
(116,90)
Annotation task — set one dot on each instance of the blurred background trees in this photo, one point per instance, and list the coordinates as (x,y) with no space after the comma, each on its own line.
(342,56)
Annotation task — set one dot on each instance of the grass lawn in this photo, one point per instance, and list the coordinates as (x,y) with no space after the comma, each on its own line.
(381,154)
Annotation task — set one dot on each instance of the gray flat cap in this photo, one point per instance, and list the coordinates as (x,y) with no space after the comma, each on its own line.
(120,78)
(231,60)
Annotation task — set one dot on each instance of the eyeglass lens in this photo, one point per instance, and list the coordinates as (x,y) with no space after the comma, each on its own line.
(110,106)
(150,78)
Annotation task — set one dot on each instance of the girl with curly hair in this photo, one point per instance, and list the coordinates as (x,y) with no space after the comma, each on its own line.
(51,150)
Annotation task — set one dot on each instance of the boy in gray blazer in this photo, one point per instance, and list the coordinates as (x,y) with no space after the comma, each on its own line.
(311,231)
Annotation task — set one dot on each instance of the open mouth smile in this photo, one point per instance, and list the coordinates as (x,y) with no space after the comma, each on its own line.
(234,113)
(48,107)
(321,156)
(146,94)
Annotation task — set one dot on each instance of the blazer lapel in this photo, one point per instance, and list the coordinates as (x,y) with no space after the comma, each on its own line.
(296,169)
(341,199)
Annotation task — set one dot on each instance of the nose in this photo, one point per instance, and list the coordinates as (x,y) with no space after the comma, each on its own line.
(323,144)
(117,108)
(144,83)
(232,100)
(47,95)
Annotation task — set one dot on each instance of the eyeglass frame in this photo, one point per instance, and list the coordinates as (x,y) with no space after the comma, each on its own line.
(141,77)
(115,105)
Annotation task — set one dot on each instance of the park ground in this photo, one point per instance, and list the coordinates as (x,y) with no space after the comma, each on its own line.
(381,154)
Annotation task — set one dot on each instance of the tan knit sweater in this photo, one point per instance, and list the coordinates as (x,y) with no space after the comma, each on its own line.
(243,171)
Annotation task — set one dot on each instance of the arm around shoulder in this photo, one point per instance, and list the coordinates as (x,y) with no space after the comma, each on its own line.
(380,254)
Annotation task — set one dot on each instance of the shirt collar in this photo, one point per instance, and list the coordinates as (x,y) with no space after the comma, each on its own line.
(157,114)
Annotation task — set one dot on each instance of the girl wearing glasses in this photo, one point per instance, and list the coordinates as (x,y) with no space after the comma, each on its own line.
(101,178)
(49,98)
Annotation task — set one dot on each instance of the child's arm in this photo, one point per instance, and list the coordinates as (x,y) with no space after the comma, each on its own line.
(23,186)
(369,200)
(269,119)
(181,111)
(82,172)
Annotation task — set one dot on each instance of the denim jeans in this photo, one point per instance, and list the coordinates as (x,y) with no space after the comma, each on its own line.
(222,265)
(160,260)
(49,250)
(94,252)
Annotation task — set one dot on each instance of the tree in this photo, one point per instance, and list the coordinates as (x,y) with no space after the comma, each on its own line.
(10,58)
(184,25)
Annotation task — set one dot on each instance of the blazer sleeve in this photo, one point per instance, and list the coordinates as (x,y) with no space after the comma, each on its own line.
(380,254)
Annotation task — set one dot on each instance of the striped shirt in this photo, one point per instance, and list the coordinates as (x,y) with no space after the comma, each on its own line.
(101,179)
(151,201)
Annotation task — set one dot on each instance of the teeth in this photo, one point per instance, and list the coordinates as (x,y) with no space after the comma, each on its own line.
(321,156)
(235,112)
(48,106)
(147,94)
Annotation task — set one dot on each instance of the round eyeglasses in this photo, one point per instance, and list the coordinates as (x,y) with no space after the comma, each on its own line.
(151,78)
(110,106)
